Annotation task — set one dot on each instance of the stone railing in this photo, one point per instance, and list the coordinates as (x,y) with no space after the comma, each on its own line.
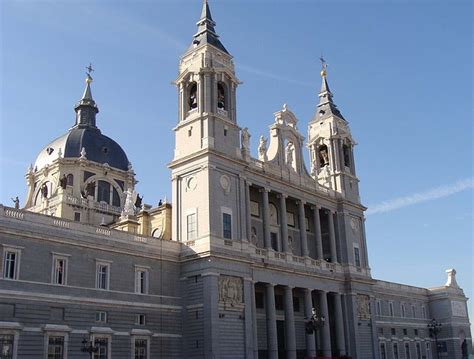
(40,220)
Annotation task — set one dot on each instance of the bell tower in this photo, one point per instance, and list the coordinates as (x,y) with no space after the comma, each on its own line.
(331,146)
(207,95)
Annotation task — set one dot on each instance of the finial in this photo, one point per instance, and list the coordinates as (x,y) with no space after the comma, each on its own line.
(324,66)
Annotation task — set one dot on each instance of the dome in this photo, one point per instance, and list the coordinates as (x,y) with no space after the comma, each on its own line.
(99,148)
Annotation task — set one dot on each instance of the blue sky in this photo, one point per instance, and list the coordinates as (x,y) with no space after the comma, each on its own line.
(400,71)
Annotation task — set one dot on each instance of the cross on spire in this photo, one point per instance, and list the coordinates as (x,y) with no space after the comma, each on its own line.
(89,69)
(324,66)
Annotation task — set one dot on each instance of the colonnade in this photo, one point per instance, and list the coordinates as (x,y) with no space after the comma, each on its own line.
(284,225)
(324,344)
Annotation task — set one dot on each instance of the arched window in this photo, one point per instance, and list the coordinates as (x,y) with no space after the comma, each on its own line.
(346,153)
(192,97)
(70,179)
(104,192)
(221,96)
(323,156)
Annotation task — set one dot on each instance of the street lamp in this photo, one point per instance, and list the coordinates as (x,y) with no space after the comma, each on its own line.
(89,347)
(434,327)
(315,323)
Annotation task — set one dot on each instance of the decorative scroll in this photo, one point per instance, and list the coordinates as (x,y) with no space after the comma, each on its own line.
(230,290)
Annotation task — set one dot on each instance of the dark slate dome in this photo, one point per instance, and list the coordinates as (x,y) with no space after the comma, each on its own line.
(99,148)
(85,134)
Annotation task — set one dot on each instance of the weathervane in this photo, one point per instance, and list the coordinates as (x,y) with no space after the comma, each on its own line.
(324,66)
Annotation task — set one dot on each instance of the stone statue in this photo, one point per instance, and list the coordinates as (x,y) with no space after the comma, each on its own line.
(129,207)
(289,154)
(160,203)
(262,149)
(138,201)
(89,190)
(16,201)
(44,190)
(83,154)
(245,139)
(63,182)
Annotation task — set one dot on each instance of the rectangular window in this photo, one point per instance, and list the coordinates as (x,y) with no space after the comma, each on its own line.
(381,331)
(102,276)
(402,309)
(101,317)
(227,225)
(77,216)
(59,270)
(413,311)
(141,280)
(141,349)
(6,346)
(378,308)
(418,351)
(423,312)
(11,263)
(192,227)
(383,353)
(140,319)
(56,347)
(390,307)
(259,303)
(279,302)
(254,209)
(290,219)
(274,238)
(102,345)
(407,351)
(395,350)
(405,331)
(416,331)
(357,256)
(393,331)
(296,304)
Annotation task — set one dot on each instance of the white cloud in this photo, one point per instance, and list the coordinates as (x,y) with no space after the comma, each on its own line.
(429,195)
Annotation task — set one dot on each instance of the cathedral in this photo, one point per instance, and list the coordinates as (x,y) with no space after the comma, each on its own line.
(253,257)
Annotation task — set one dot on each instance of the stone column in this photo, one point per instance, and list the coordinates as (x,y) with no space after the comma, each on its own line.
(250,317)
(340,339)
(272,341)
(254,323)
(283,223)
(303,236)
(332,236)
(248,216)
(308,306)
(325,332)
(317,233)
(290,324)
(266,219)
(211,315)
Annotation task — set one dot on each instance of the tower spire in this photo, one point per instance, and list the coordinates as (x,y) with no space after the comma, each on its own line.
(326,106)
(206,33)
(86,109)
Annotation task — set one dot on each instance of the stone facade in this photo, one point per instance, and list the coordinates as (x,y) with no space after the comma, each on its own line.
(249,250)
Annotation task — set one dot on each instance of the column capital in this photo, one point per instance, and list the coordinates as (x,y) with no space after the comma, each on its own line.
(265,189)
(270,285)
(249,183)
(289,287)
(300,202)
(315,207)
(282,195)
